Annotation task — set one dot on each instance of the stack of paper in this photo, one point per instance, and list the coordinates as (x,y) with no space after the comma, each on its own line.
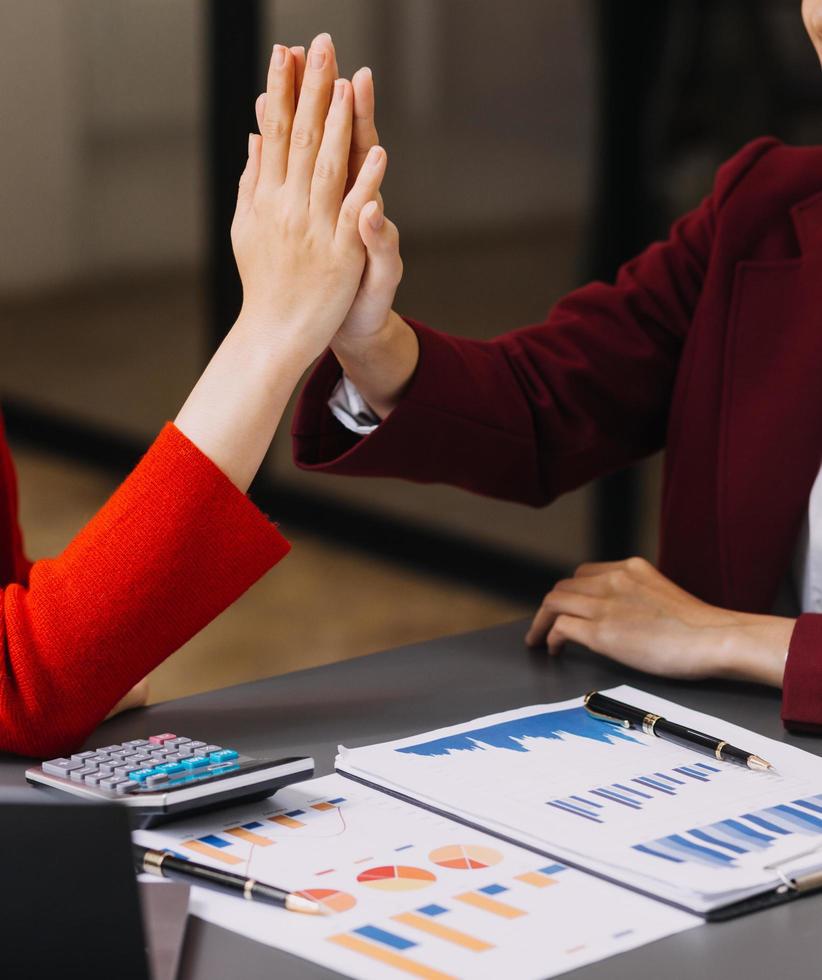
(662,819)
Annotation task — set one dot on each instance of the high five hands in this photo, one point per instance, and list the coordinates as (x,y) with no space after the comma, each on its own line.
(292,77)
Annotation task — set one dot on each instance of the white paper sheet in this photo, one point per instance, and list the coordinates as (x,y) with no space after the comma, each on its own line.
(667,819)
(409,892)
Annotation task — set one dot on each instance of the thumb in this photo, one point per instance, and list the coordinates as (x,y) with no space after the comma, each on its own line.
(248,180)
(383,269)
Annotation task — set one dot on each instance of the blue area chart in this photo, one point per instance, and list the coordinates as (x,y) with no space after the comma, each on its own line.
(511,735)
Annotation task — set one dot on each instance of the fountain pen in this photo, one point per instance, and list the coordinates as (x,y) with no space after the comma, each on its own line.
(609,709)
(166,865)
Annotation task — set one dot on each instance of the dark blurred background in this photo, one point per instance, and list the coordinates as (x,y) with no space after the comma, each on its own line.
(532,145)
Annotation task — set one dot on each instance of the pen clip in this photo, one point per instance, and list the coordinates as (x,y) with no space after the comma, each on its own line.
(622,722)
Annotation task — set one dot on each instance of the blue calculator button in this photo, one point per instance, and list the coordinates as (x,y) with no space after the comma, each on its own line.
(140,775)
(195,763)
(226,755)
(169,767)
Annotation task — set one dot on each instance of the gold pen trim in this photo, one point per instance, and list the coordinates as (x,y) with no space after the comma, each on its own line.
(153,862)
(718,750)
(648,723)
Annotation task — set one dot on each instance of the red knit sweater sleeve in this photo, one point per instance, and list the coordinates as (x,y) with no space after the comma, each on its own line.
(175,545)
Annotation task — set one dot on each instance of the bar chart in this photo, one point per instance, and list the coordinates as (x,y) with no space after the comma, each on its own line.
(635,792)
(406,892)
(721,844)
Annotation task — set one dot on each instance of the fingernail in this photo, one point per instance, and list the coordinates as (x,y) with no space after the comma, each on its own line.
(298,50)
(339,89)
(250,143)
(375,216)
(374,156)
(278,56)
(316,59)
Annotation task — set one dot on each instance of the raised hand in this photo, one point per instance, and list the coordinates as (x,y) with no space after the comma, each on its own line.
(295,231)
(300,254)
(370,320)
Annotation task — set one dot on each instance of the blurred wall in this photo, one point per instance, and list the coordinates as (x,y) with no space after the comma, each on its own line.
(101,107)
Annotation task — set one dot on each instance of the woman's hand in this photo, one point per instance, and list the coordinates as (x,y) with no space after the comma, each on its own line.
(300,256)
(630,612)
(295,231)
(375,346)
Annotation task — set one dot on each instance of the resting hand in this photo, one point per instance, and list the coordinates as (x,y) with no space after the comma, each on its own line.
(630,612)
(295,231)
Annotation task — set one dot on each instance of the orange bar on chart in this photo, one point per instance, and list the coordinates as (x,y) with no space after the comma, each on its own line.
(433,928)
(480,901)
(537,879)
(397,960)
(323,806)
(285,821)
(250,836)
(213,852)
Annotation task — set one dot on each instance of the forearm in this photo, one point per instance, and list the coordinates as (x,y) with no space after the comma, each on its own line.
(382,365)
(234,409)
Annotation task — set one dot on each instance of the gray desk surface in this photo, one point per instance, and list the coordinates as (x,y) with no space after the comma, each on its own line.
(415,688)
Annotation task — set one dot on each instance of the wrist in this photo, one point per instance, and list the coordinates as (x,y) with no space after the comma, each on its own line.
(754,648)
(282,348)
(359,348)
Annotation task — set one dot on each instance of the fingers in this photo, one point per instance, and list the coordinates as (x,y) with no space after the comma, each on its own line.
(569,629)
(365,131)
(560,602)
(312,109)
(298,53)
(330,170)
(277,116)
(250,176)
(365,189)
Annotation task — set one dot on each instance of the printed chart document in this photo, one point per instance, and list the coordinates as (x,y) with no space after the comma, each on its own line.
(667,820)
(408,892)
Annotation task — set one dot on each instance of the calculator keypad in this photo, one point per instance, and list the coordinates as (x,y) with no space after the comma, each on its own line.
(164,761)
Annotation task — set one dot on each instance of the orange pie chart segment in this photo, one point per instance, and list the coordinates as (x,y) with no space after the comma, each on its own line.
(396,878)
(332,900)
(465,857)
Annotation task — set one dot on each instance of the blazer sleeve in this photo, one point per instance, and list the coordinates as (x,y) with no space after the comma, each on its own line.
(802,684)
(175,545)
(546,408)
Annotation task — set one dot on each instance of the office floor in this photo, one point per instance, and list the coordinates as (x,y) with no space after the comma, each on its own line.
(321,604)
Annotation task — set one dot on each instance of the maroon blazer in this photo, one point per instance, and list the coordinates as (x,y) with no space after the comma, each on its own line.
(709,344)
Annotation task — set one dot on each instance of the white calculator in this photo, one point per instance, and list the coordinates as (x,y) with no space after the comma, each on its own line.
(165,776)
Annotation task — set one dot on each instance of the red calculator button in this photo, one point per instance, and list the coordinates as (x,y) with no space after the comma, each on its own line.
(159,739)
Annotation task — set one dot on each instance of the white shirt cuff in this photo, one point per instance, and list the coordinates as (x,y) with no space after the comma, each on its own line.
(350,409)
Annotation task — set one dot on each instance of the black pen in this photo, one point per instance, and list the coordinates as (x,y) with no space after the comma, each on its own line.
(608,709)
(166,865)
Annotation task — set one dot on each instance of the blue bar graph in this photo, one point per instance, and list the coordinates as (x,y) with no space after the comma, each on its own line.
(493,889)
(214,841)
(721,844)
(383,936)
(642,791)
(432,910)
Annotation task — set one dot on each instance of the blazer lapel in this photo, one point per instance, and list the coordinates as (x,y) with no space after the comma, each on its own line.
(771,434)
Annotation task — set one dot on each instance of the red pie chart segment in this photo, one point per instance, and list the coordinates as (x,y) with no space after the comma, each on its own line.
(465,857)
(396,878)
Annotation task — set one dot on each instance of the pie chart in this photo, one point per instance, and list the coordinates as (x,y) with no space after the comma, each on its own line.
(396,878)
(333,900)
(465,857)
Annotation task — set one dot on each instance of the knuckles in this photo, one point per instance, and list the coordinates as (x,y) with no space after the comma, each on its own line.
(275,129)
